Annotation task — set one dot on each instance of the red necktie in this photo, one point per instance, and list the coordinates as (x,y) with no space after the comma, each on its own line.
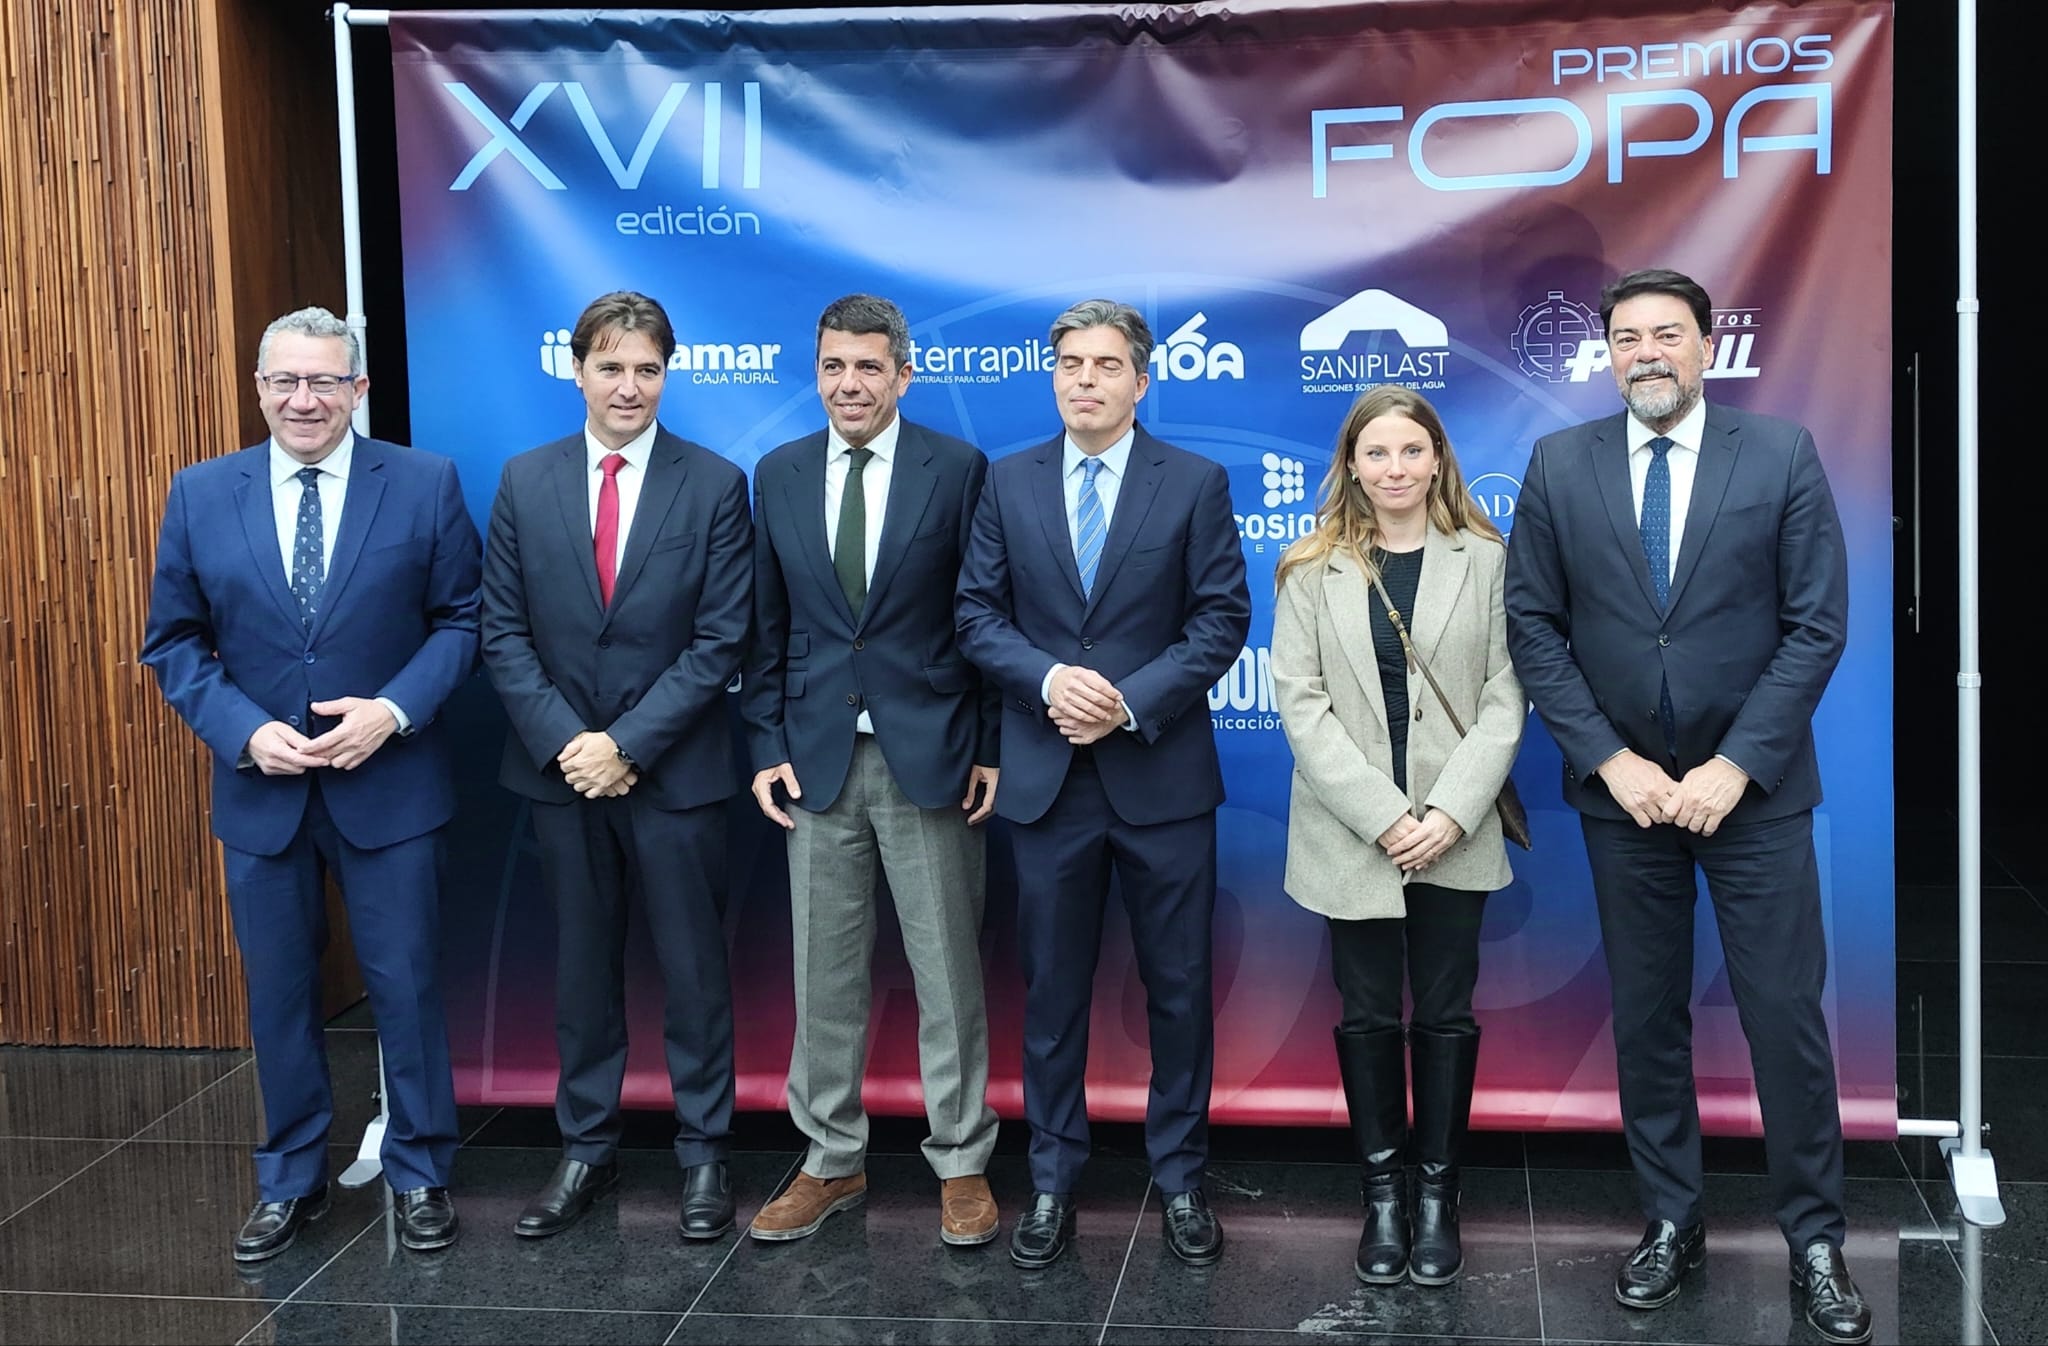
(606,542)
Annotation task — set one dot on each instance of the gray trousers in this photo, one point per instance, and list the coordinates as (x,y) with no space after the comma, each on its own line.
(937,870)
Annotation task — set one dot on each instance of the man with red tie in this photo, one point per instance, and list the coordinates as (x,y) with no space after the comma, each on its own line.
(617,592)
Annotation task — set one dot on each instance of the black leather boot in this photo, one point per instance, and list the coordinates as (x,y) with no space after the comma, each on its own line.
(1445,1064)
(1374,1069)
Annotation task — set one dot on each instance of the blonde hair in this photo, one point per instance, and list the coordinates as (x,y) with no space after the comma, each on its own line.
(1345,521)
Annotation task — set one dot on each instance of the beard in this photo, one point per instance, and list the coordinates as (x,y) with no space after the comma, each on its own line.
(1662,403)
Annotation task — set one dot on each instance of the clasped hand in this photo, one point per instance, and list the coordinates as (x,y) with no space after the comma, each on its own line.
(277,749)
(1085,706)
(1698,803)
(591,765)
(1417,843)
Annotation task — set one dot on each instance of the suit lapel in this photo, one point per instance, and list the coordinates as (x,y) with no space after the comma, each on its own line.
(1144,469)
(804,491)
(1050,490)
(358,511)
(259,525)
(1718,447)
(667,467)
(572,493)
(911,483)
(1349,596)
(1617,492)
(1445,564)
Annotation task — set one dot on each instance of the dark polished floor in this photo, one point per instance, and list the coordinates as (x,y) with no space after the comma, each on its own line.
(124,1174)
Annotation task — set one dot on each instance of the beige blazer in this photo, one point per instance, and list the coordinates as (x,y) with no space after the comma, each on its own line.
(1327,685)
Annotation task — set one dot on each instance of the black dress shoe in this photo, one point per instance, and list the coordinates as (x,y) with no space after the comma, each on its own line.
(272,1225)
(426,1219)
(1651,1276)
(1042,1231)
(567,1195)
(1834,1305)
(1192,1230)
(707,1201)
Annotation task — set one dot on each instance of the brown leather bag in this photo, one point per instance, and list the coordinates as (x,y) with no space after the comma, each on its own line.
(1514,819)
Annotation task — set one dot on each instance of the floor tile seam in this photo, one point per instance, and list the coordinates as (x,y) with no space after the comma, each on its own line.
(1355,1335)
(906,1318)
(1985,962)
(1130,1250)
(788,1174)
(118,1146)
(1948,1247)
(375,1219)
(129,1294)
(468,1308)
(473,1132)
(1535,1252)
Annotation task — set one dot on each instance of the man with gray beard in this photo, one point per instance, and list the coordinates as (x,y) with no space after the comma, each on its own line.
(1677,596)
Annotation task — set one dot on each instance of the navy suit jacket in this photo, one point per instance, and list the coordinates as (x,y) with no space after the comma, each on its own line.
(651,670)
(1167,618)
(813,666)
(1757,618)
(397,618)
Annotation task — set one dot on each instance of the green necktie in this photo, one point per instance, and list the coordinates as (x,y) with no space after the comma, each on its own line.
(850,547)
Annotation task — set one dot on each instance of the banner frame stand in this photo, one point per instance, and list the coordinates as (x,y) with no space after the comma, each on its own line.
(1971,1168)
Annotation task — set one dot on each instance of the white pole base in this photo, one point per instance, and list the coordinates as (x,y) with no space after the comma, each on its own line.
(1976,1183)
(369,1164)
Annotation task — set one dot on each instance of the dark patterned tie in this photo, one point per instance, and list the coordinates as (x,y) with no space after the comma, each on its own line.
(850,544)
(1656,531)
(309,564)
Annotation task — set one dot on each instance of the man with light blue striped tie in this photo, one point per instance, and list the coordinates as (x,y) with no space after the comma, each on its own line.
(1677,595)
(1103,591)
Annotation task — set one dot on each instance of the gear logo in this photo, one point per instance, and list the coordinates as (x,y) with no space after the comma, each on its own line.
(1285,480)
(1550,334)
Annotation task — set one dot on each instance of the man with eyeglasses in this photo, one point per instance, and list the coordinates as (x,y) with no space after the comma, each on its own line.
(314,604)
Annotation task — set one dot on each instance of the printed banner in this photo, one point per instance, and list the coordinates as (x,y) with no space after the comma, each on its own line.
(1304,201)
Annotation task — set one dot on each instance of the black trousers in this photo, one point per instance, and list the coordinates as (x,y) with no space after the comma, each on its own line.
(593,854)
(1765,886)
(1436,945)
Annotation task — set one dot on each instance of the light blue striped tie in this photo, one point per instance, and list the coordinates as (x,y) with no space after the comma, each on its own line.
(1090,529)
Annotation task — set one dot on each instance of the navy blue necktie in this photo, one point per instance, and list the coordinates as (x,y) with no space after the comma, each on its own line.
(309,565)
(1656,532)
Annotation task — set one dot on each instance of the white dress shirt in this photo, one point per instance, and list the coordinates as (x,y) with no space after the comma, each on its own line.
(285,492)
(637,451)
(874,480)
(1116,460)
(1684,459)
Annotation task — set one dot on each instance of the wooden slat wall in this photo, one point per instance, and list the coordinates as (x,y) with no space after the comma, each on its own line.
(120,348)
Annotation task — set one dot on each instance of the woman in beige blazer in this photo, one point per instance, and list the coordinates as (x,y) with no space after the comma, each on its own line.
(1392,832)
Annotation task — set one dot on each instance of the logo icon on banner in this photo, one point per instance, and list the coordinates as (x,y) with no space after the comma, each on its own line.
(555,356)
(1496,493)
(1559,341)
(1420,354)
(1286,481)
(1187,355)
(1550,335)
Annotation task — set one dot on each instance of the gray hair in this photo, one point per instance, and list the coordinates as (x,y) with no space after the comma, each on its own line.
(1107,313)
(312,322)
(868,315)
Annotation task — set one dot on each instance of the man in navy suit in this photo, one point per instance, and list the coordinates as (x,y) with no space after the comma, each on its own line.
(878,735)
(1104,592)
(1678,596)
(315,602)
(616,597)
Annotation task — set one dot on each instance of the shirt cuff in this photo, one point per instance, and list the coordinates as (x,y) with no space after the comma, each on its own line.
(404,723)
(1045,688)
(1130,718)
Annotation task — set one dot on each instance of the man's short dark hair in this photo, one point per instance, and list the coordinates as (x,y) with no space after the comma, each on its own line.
(1107,313)
(622,311)
(868,315)
(1659,280)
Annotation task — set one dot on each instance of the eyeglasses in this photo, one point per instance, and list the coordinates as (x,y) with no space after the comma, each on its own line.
(285,385)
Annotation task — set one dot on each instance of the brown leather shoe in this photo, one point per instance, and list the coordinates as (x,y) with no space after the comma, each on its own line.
(804,1204)
(967,1211)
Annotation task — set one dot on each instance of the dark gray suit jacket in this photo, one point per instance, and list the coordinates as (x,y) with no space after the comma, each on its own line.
(1758,612)
(651,669)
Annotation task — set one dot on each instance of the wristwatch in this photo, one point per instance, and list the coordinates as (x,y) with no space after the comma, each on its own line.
(625,757)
